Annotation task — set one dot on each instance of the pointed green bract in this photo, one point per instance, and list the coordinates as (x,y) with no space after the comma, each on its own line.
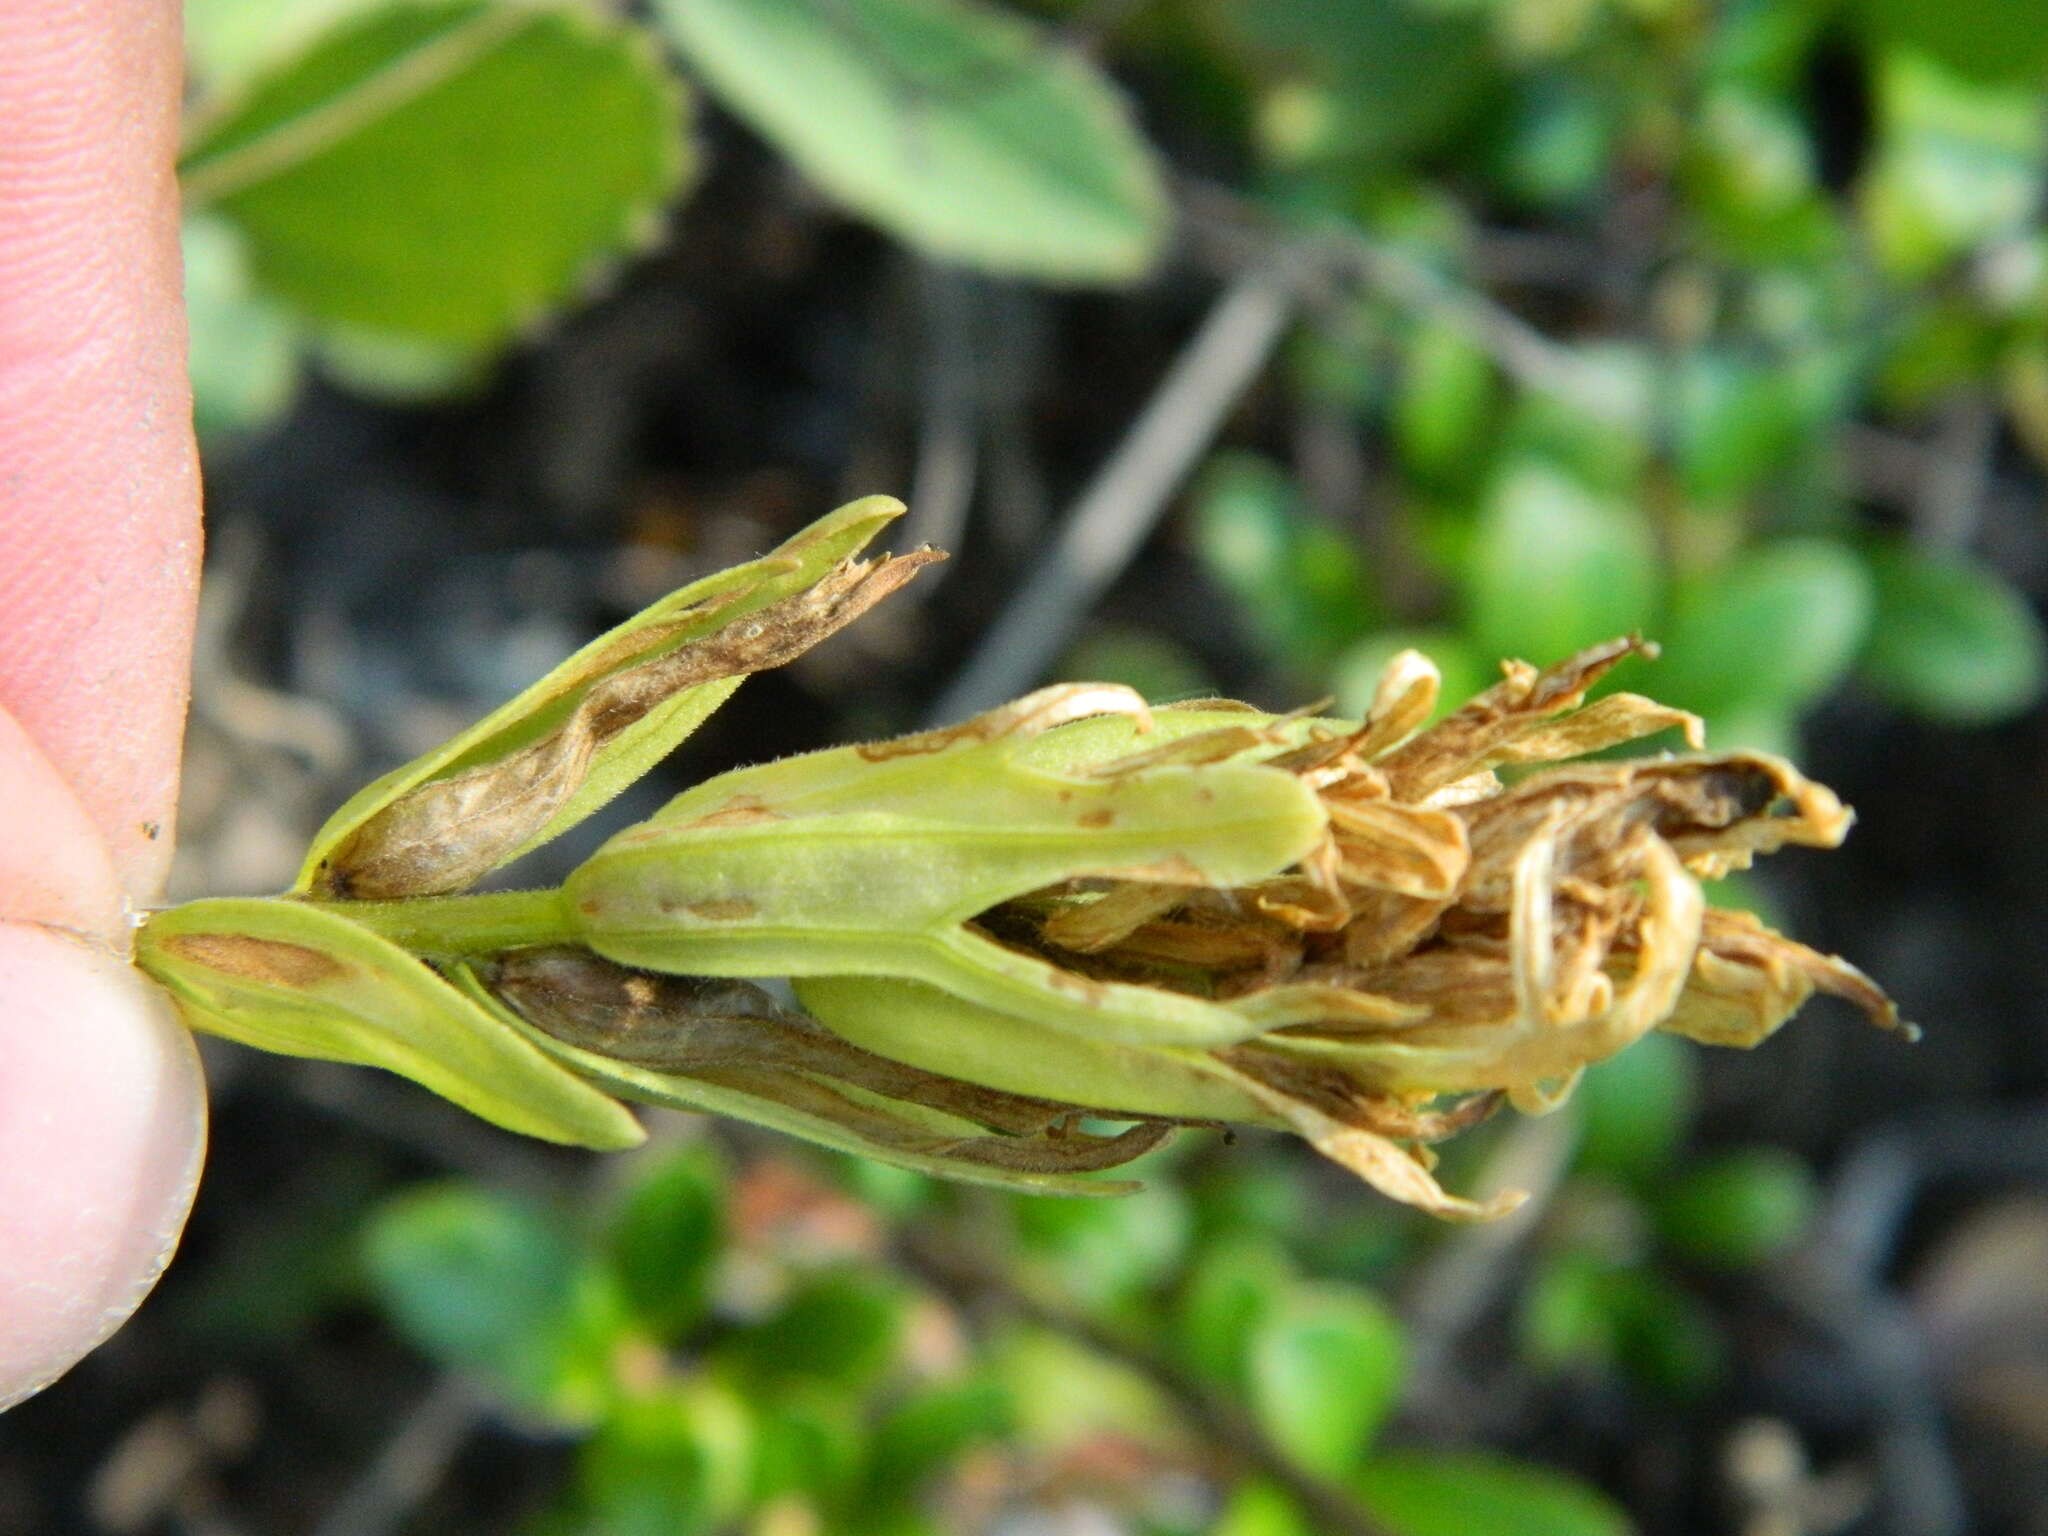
(872,860)
(910,1022)
(538,765)
(302,981)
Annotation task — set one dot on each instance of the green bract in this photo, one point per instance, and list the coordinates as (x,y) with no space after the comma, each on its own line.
(872,860)
(532,769)
(291,978)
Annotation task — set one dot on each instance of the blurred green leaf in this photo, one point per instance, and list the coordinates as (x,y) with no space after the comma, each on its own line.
(1954,641)
(1361,79)
(1739,1209)
(671,1462)
(1738,420)
(666,1239)
(1232,1290)
(1958,162)
(923,1435)
(1443,412)
(840,1328)
(475,1282)
(1992,40)
(446,171)
(241,352)
(1260,1509)
(1326,1369)
(1778,627)
(1300,586)
(1466,1493)
(1106,1251)
(226,41)
(955,126)
(1636,1108)
(1557,150)
(1584,1313)
(1556,567)
(808,1443)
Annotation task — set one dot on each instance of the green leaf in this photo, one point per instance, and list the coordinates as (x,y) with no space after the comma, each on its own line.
(666,1239)
(1636,1108)
(1738,420)
(929,1431)
(1427,1493)
(303,981)
(1556,567)
(1260,1509)
(1445,405)
(227,41)
(1992,40)
(1954,641)
(1591,1316)
(1300,586)
(1371,79)
(842,1328)
(242,354)
(474,1281)
(1105,1251)
(447,170)
(536,766)
(1739,1209)
(1958,163)
(954,126)
(1235,1287)
(674,1462)
(1325,1370)
(812,1445)
(1777,628)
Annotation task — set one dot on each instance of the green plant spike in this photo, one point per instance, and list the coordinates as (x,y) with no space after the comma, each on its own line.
(302,980)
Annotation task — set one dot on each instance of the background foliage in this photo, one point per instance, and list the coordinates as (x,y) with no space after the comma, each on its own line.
(1723,321)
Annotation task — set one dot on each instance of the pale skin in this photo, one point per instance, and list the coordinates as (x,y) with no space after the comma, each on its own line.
(102,1115)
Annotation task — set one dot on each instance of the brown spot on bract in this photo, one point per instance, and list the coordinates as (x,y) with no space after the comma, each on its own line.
(1098,818)
(739,811)
(265,960)
(152,830)
(731,909)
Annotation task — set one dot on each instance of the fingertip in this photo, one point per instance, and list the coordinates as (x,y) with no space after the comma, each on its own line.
(102,1132)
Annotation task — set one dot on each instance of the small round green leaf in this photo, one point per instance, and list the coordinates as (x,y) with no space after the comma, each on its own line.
(1326,1368)
(1231,1292)
(1636,1107)
(1557,566)
(474,1281)
(954,126)
(667,1238)
(1739,1209)
(1779,627)
(840,1328)
(1415,1493)
(1954,641)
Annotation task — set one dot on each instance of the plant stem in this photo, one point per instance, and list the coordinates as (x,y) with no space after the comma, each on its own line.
(452,927)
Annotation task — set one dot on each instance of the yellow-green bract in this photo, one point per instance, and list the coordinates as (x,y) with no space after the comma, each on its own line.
(871,860)
(301,981)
